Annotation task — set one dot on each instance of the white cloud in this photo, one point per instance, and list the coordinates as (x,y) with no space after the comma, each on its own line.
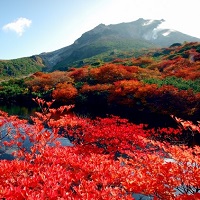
(18,25)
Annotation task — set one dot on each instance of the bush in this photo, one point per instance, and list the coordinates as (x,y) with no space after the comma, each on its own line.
(111,159)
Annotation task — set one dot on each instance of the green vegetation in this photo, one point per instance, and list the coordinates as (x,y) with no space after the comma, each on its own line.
(20,67)
(13,88)
(103,50)
(179,83)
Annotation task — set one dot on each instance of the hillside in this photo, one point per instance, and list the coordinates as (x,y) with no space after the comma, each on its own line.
(20,67)
(106,42)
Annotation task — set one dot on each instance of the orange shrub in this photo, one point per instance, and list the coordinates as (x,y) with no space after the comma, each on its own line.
(65,92)
(111,72)
(79,74)
(41,82)
(98,87)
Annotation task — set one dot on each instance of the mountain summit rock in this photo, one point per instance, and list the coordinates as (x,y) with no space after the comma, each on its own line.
(136,35)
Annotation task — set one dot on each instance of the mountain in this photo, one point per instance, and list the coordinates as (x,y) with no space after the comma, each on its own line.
(102,44)
(110,41)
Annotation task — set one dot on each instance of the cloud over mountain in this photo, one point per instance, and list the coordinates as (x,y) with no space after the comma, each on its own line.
(18,25)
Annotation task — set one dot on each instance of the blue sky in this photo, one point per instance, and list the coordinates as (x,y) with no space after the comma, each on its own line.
(29,27)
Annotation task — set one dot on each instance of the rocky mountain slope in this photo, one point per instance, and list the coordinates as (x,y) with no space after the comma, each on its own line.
(102,44)
(109,39)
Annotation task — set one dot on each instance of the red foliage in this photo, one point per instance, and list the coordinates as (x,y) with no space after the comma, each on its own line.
(180,67)
(111,159)
(166,99)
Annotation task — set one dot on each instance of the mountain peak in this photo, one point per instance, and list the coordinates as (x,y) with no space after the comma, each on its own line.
(147,22)
(100,26)
(135,35)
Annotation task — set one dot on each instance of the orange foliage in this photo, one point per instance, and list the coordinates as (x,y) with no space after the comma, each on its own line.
(46,81)
(145,73)
(79,74)
(111,72)
(142,61)
(180,67)
(123,92)
(188,73)
(98,87)
(65,92)
(146,90)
